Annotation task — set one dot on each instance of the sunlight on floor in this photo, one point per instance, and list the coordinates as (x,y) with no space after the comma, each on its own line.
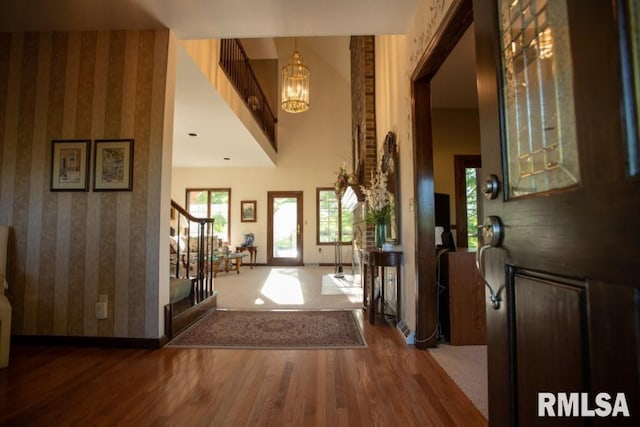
(347,285)
(283,287)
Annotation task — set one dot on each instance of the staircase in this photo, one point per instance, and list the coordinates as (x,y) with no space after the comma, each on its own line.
(191,269)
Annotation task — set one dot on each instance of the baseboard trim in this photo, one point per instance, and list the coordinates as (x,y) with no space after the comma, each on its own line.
(321,264)
(78,341)
(331,264)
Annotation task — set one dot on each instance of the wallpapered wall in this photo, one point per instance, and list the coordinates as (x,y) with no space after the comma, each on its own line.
(69,247)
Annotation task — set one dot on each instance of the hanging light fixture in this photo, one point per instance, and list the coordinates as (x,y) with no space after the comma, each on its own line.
(295,84)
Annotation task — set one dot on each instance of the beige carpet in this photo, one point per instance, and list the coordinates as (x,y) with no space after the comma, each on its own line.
(345,285)
(467,366)
(285,287)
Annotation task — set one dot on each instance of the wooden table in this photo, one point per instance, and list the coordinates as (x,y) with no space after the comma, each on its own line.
(253,253)
(224,263)
(373,260)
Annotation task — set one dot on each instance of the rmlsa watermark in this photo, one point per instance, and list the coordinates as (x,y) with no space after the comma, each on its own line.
(582,405)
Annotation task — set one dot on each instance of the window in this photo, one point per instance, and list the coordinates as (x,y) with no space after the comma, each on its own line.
(334,223)
(468,205)
(471,193)
(212,203)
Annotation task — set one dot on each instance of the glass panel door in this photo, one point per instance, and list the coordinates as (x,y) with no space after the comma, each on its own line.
(285,228)
(285,233)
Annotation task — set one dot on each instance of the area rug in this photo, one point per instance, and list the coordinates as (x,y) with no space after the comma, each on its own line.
(346,285)
(273,329)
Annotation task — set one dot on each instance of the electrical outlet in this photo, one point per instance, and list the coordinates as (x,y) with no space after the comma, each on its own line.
(101,310)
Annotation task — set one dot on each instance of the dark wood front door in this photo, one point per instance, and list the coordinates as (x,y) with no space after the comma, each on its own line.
(284,234)
(565,274)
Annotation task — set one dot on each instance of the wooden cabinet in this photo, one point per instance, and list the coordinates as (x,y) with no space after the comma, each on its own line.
(466,299)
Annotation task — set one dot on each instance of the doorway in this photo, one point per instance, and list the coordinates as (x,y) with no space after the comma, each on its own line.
(284,232)
(450,33)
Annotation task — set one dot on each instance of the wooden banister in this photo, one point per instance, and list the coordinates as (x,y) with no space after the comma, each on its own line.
(235,63)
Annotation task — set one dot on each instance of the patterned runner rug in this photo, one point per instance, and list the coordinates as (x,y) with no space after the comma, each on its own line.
(273,329)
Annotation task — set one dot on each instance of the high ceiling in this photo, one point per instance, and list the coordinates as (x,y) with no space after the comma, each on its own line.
(196,19)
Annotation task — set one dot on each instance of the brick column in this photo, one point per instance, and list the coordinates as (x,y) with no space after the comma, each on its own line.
(363,116)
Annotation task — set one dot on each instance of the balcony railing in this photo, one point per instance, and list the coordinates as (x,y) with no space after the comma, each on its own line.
(235,63)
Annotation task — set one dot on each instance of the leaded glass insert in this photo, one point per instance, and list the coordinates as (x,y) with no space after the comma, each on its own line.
(540,137)
(633,9)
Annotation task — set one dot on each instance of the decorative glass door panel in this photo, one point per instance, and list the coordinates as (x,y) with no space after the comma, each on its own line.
(540,135)
(631,84)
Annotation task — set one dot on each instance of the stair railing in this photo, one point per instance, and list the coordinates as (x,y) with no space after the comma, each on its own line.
(191,246)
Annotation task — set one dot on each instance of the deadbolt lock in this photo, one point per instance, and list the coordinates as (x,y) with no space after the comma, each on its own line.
(491,187)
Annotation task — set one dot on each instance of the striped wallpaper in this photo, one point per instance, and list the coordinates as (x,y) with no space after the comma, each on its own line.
(70,247)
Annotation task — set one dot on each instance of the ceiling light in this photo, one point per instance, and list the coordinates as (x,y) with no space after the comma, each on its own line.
(295,84)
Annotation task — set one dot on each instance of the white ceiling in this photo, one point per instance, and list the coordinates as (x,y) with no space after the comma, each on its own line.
(198,107)
(196,19)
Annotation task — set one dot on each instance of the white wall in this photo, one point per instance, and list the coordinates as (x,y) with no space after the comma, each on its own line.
(392,93)
(396,59)
(311,148)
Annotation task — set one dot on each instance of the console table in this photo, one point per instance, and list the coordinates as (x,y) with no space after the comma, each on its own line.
(374,260)
(253,252)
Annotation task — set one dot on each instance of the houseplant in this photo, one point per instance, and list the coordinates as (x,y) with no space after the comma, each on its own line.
(342,181)
(379,207)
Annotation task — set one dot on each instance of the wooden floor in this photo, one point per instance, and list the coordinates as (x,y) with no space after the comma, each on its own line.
(387,384)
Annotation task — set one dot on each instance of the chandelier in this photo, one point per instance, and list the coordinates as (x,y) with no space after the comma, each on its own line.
(295,84)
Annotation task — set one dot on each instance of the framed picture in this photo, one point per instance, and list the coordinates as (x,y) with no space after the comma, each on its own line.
(113,165)
(248,211)
(70,165)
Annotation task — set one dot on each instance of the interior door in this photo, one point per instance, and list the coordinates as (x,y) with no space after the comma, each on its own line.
(562,254)
(285,228)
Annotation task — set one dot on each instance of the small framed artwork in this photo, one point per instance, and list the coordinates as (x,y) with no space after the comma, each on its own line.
(248,211)
(113,165)
(70,165)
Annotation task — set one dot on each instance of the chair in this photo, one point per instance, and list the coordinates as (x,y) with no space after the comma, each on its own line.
(5,306)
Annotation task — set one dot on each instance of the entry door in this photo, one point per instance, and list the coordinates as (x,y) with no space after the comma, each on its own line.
(563,260)
(285,228)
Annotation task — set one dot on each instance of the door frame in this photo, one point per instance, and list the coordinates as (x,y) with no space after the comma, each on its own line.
(271,260)
(458,19)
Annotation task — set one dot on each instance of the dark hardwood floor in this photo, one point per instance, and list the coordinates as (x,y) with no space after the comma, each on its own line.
(387,384)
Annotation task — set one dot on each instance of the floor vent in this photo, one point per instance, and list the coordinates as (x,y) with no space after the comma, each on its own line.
(408,335)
